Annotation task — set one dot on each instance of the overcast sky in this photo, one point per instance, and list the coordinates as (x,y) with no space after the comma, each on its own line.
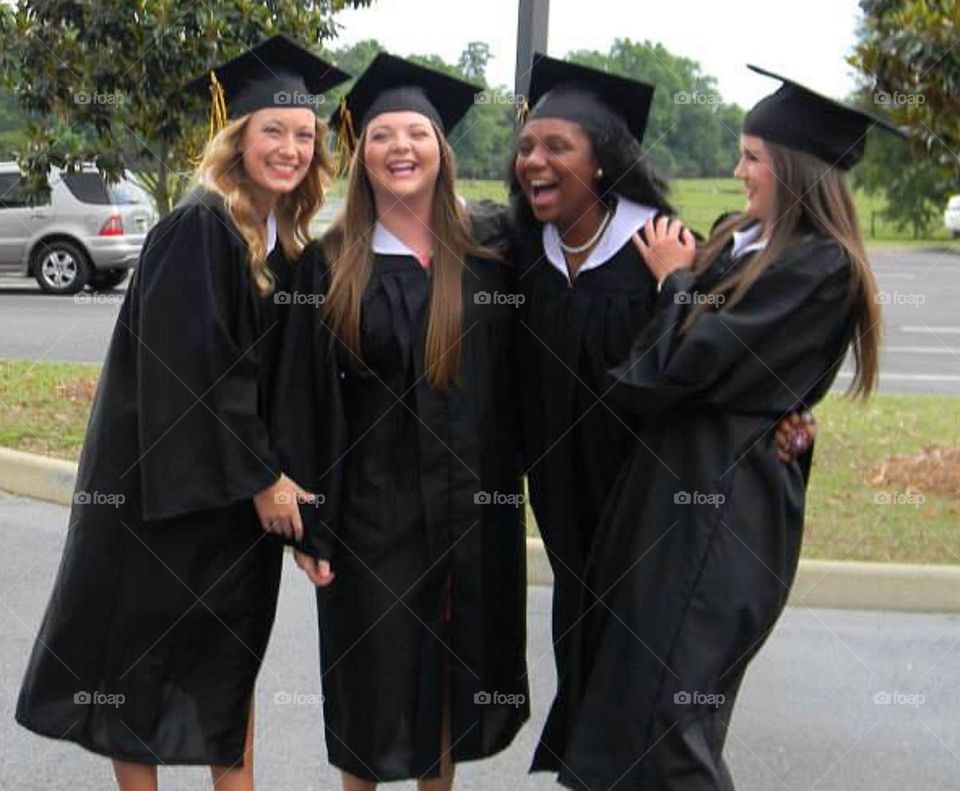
(806,41)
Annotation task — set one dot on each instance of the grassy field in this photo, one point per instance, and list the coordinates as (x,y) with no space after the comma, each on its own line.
(849,517)
(700,201)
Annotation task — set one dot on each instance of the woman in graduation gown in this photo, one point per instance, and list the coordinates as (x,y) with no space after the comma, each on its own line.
(579,190)
(422,632)
(698,547)
(166,591)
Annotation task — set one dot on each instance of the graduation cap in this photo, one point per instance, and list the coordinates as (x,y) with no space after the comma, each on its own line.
(276,73)
(559,89)
(392,84)
(798,118)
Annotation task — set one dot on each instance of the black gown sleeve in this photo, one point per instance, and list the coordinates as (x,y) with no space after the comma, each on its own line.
(767,354)
(308,423)
(203,442)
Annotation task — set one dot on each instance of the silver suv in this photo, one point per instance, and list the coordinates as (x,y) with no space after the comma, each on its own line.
(89,233)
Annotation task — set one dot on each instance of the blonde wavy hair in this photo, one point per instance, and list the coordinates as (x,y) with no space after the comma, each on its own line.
(221,171)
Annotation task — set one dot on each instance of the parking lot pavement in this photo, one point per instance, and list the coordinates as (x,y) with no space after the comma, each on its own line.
(836,701)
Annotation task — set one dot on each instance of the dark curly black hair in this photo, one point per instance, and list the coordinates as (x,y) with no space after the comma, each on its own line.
(625,173)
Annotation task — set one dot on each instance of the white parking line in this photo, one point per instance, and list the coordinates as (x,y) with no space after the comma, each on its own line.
(931,330)
(924,349)
(897,377)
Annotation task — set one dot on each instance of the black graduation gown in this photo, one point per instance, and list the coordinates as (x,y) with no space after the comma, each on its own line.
(576,440)
(163,603)
(698,548)
(427,541)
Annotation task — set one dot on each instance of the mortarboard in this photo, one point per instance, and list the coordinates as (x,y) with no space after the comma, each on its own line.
(559,89)
(798,118)
(276,73)
(392,84)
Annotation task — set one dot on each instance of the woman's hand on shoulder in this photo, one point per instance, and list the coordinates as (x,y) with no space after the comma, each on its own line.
(669,246)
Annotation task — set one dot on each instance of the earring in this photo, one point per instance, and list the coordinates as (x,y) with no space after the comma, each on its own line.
(599,174)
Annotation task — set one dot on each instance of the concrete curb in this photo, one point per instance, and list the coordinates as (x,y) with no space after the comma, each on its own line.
(840,584)
(820,583)
(39,477)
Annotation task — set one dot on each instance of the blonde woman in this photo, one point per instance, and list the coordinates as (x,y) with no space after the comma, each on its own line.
(423,629)
(165,597)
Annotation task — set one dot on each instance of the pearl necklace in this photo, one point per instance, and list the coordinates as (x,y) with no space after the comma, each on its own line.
(590,242)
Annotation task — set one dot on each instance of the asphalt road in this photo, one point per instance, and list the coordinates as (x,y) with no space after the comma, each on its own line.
(811,714)
(920,291)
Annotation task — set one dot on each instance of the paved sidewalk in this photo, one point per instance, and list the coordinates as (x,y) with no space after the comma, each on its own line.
(807,716)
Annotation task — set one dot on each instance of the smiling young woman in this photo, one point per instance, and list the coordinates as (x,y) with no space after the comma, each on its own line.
(702,533)
(165,598)
(422,633)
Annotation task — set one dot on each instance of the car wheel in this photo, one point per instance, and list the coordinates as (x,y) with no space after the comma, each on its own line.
(60,267)
(105,279)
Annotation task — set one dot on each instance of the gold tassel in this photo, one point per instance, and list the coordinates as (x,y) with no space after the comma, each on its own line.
(523,110)
(218,108)
(346,138)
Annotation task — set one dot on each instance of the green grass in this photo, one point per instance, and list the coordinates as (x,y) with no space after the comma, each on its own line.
(47,406)
(844,521)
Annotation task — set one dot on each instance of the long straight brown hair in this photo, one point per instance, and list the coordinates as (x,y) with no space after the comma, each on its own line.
(811,197)
(349,249)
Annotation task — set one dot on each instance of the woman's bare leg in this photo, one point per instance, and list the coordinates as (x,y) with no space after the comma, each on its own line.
(237,778)
(351,783)
(445,781)
(135,777)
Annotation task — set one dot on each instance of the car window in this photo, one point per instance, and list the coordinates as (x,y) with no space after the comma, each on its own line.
(88,188)
(12,195)
(127,193)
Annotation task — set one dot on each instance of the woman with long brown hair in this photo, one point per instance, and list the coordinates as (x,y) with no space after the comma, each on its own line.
(699,544)
(422,630)
(165,599)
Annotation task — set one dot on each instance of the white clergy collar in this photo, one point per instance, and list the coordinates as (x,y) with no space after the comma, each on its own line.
(628,217)
(386,243)
(271,232)
(747,241)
